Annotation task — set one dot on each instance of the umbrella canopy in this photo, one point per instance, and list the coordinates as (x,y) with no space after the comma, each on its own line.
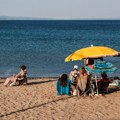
(91,52)
(102,66)
(117,55)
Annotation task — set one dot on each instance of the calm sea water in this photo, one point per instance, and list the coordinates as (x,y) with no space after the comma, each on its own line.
(43,45)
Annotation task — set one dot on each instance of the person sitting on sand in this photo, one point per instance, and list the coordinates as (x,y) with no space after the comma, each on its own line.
(74,73)
(103,83)
(63,85)
(82,81)
(21,75)
(74,79)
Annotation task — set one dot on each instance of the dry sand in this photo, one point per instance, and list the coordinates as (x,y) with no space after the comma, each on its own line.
(38,101)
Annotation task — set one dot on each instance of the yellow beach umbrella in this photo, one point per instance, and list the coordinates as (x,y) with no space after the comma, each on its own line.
(91,52)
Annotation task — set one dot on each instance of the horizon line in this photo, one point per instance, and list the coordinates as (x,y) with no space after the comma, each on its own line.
(5,17)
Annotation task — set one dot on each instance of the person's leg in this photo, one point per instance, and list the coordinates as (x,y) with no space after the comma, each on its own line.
(7,81)
(88,88)
(99,85)
(80,86)
(78,90)
(73,87)
(74,90)
(13,83)
(84,84)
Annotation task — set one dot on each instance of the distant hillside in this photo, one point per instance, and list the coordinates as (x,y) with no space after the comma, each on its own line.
(23,18)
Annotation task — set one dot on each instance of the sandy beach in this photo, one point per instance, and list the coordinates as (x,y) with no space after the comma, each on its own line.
(38,101)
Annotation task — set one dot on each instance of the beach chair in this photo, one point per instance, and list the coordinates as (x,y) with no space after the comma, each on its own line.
(19,82)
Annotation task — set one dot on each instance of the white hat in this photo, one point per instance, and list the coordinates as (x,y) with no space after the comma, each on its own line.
(75,67)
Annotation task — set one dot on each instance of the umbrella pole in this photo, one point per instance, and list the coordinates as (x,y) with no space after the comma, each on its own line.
(96,84)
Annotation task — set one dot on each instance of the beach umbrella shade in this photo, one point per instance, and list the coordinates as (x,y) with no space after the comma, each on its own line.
(100,67)
(91,52)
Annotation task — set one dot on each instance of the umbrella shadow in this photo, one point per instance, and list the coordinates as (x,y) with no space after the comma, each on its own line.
(40,82)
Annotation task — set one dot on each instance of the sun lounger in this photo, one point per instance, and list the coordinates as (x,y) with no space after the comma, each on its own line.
(19,82)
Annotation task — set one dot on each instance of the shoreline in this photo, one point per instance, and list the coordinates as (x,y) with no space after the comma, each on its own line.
(35,78)
(51,77)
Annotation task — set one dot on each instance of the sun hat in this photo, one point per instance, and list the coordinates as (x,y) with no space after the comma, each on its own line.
(75,67)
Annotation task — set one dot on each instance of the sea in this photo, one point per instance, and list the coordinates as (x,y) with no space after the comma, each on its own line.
(43,45)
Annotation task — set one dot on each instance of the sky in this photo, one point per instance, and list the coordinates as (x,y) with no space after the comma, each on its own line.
(62,9)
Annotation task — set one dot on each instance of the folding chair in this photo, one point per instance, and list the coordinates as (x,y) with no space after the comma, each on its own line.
(19,82)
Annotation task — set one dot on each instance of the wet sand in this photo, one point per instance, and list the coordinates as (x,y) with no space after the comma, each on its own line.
(38,101)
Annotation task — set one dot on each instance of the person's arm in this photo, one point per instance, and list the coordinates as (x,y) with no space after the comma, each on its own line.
(71,76)
(18,75)
(22,74)
(85,62)
(58,87)
(69,81)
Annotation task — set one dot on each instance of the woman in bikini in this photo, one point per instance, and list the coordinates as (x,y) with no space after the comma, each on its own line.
(20,75)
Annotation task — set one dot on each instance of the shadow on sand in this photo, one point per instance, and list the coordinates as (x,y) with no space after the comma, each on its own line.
(113,89)
(36,106)
(40,82)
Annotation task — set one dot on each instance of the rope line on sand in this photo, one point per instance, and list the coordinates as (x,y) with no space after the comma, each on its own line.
(36,106)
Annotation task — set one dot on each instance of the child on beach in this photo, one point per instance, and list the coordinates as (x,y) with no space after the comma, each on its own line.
(21,75)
